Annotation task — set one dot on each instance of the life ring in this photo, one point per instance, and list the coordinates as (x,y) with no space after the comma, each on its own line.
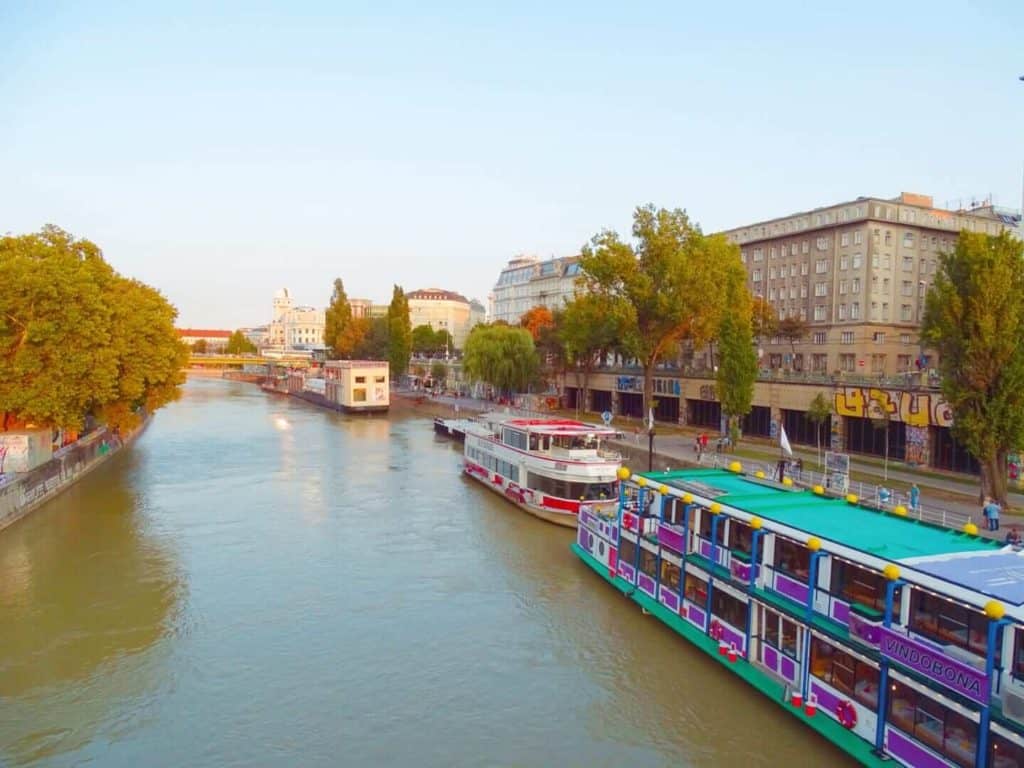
(846,713)
(716,630)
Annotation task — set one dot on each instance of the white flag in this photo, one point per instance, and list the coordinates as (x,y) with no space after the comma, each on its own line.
(650,420)
(784,442)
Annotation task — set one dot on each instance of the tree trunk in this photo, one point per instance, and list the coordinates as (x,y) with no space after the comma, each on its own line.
(586,387)
(648,387)
(993,477)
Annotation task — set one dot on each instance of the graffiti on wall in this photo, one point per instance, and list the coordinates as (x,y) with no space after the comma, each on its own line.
(916,445)
(915,409)
(707,392)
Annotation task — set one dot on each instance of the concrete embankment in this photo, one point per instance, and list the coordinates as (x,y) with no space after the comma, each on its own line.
(28,491)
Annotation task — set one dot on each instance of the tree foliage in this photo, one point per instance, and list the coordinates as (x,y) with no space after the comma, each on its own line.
(819,411)
(200,347)
(793,329)
(667,283)
(238,344)
(536,319)
(438,372)
(737,367)
(764,318)
(502,356)
(399,333)
(425,340)
(373,339)
(590,327)
(78,339)
(974,319)
(342,333)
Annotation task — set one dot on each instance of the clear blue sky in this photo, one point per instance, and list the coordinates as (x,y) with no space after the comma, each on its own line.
(220,154)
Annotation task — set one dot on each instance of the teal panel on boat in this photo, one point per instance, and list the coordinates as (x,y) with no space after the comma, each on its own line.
(877,533)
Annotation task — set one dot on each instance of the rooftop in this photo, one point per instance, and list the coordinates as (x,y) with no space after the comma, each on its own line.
(203,332)
(875,533)
(437,294)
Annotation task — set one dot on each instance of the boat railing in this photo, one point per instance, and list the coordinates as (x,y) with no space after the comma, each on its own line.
(868,494)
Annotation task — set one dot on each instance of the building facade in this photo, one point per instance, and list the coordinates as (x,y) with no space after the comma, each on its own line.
(858,273)
(441,310)
(527,282)
(215,340)
(358,385)
(295,327)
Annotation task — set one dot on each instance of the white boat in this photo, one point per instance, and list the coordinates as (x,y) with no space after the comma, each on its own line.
(548,467)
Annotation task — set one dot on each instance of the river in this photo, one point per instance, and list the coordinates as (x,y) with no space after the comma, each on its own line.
(258,582)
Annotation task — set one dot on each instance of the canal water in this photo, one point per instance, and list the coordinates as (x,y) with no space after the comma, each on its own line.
(258,582)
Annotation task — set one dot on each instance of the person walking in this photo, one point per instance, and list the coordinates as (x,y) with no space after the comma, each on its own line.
(991,513)
(915,497)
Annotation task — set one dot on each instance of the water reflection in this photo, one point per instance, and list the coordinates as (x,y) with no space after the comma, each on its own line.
(86,593)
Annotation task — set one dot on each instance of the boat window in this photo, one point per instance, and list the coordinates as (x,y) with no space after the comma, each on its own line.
(1018,657)
(514,438)
(705,527)
(574,442)
(696,590)
(933,724)
(729,609)
(1003,752)
(672,510)
(861,585)
(741,539)
(792,559)
(845,672)
(534,442)
(627,551)
(563,489)
(950,623)
(670,575)
(648,563)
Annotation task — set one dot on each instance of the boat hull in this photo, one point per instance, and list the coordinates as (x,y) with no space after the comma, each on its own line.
(565,519)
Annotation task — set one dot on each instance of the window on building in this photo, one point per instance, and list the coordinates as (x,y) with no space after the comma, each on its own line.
(820,337)
(819,362)
(842,286)
(846,337)
(888,237)
(771,294)
(847,362)
(821,289)
(874,310)
(906,312)
(360,379)
(855,285)
(905,337)
(844,239)
(857,261)
(758,254)
(922,288)
(908,239)
(842,311)
(771,273)
(756,277)
(885,286)
(805,246)
(903,363)
(792,270)
(906,288)
(885,311)
(802,314)
(845,672)
(878,363)
(844,261)
(803,292)
(819,311)
(855,310)
(875,260)
(943,729)
(887,260)
(858,237)
(908,263)
(793,249)
(821,243)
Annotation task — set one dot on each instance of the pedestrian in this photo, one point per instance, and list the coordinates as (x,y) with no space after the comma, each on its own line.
(915,497)
(703,441)
(1013,538)
(636,435)
(993,515)
(986,509)
(884,495)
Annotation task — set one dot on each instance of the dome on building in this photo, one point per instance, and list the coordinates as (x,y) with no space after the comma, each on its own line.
(281,293)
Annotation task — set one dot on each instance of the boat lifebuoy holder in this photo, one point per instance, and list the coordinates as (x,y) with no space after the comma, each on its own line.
(846,714)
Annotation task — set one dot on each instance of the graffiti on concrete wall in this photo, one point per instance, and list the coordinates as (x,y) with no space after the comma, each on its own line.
(915,409)
(916,445)
(707,392)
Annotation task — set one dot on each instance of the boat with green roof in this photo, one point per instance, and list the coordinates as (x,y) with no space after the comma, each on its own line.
(900,641)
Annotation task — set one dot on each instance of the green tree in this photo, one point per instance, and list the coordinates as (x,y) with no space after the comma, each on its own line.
(341,331)
(439,373)
(590,327)
(424,340)
(737,366)
(819,411)
(200,347)
(399,333)
(373,339)
(793,329)
(668,283)
(502,356)
(77,339)
(974,319)
(238,344)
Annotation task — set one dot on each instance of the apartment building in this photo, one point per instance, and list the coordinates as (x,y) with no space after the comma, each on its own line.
(858,273)
(527,282)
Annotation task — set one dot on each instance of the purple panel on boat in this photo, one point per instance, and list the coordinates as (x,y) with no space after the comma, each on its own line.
(696,615)
(841,611)
(826,699)
(787,668)
(953,673)
(771,658)
(646,584)
(867,632)
(909,752)
(627,572)
(670,538)
(740,570)
(732,636)
(669,598)
(588,519)
(791,588)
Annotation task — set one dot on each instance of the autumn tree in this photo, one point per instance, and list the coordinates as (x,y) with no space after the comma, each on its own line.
(974,319)
(502,356)
(819,412)
(536,319)
(342,333)
(238,344)
(373,339)
(399,333)
(764,319)
(793,329)
(737,366)
(591,326)
(78,339)
(670,277)
(200,347)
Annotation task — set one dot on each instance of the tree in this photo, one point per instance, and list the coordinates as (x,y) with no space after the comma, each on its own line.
(200,347)
(502,356)
(536,319)
(439,373)
(793,329)
(590,327)
(764,319)
(737,368)
(667,284)
(238,344)
(425,340)
(341,331)
(78,339)
(373,339)
(819,411)
(974,319)
(399,333)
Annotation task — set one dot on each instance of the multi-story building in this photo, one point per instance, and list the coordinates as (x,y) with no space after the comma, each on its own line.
(295,327)
(858,273)
(215,340)
(442,310)
(526,282)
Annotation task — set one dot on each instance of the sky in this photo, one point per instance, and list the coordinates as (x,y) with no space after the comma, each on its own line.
(219,153)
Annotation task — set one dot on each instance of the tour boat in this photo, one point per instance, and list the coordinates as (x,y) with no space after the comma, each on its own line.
(899,641)
(548,467)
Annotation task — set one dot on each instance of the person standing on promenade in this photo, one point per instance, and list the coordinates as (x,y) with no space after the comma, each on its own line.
(915,497)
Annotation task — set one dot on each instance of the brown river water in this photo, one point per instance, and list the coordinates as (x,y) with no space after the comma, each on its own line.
(258,582)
